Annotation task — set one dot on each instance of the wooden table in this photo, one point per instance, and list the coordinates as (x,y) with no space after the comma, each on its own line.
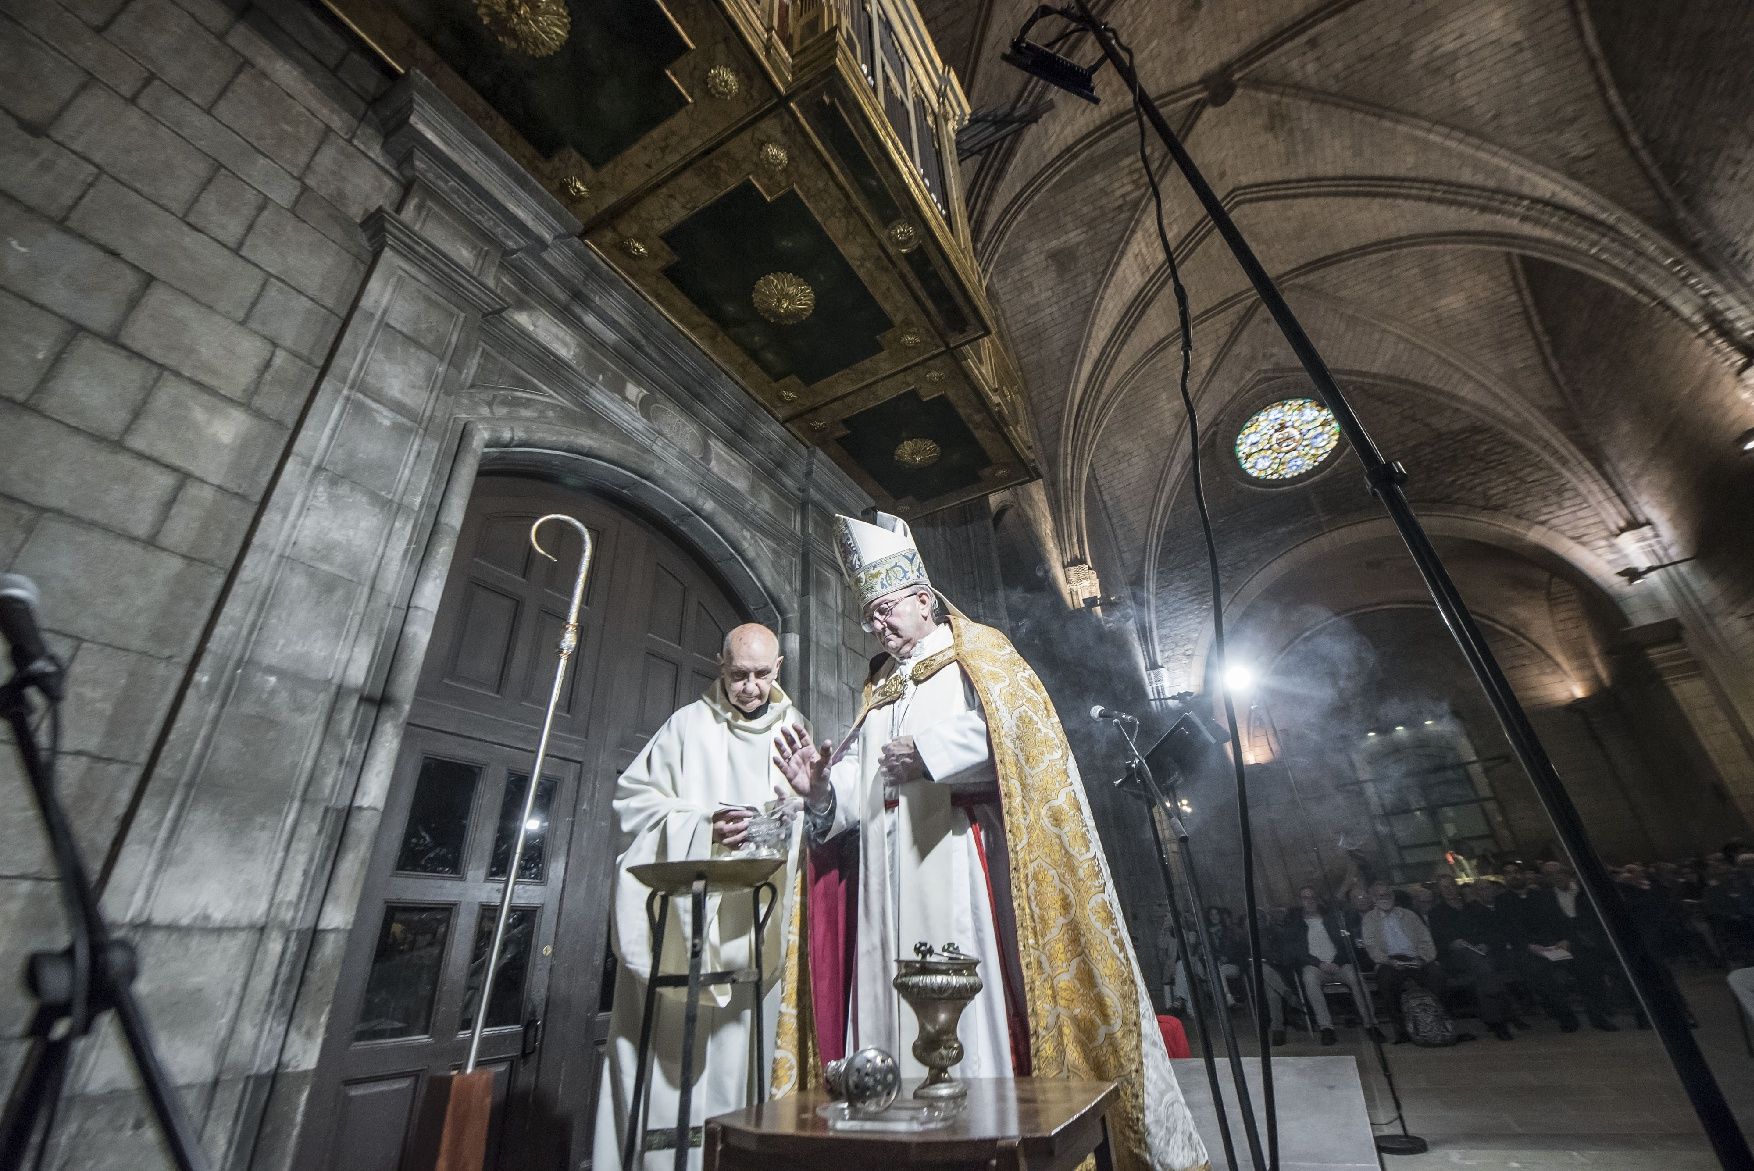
(1046,1125)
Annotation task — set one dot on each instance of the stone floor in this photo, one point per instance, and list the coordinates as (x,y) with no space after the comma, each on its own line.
(1548,1101)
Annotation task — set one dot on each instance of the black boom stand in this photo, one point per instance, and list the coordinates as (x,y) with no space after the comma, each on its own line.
(93,974)
(1405,1143)
(1387,480)
(1140,782)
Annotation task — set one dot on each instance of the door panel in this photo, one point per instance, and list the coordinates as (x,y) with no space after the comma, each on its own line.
(652,620)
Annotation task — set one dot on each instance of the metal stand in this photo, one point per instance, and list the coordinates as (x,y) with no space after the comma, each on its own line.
(75,986)
(1181,953)
(683,1135)
(1405,1143)
(1139,771)
(1387,480)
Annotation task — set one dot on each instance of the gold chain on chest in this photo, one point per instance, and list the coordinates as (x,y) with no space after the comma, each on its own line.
(893,686)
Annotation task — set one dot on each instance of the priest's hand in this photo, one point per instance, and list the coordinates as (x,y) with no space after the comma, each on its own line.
(803,764)
(731,826)
(899,763)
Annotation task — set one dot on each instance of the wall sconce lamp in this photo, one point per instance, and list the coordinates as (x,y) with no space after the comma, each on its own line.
(1636,574)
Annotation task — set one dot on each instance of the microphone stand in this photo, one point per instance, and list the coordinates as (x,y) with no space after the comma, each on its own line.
(1149,791)
(1387,480)
(1405,1143)
(94,974)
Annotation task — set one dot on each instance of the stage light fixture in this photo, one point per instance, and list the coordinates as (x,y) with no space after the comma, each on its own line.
(1042,62)
(1239,678)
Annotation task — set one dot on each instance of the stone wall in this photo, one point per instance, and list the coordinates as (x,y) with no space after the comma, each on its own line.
(264,317)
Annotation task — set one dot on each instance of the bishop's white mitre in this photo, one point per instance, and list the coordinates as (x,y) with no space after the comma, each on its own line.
(878,558)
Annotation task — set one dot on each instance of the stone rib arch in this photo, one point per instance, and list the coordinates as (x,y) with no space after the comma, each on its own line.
(1541,229)
(1536,543)
(1079,443)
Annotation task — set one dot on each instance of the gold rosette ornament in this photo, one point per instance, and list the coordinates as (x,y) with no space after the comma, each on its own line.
(536,28)
(783,298)
(917,453)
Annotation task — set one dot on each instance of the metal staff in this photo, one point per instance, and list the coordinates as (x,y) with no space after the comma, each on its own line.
(569,642)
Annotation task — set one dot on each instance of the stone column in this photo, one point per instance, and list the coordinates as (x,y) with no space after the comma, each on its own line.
(1660,646)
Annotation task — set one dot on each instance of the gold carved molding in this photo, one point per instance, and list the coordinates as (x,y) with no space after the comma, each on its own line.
(535,28)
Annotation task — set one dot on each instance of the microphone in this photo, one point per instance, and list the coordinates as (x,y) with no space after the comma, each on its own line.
(1098,712)
(18,624)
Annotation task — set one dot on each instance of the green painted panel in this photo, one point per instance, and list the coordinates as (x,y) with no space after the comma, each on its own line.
(874,433)
(725,247)
(604,90)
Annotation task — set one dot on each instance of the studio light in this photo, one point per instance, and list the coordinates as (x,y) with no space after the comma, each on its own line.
(1239,678)
(1042,62)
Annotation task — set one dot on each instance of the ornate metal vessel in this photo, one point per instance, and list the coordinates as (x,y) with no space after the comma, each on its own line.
(938,985)
(867,1081)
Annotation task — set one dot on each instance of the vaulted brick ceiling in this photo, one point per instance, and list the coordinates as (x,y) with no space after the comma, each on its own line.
(1519,230)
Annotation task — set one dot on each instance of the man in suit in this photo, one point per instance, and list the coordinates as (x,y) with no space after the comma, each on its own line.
(1597,967)
(1559,940)
(1313,936)
(1463,933)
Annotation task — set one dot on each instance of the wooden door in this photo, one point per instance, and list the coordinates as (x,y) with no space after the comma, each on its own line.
(653,618)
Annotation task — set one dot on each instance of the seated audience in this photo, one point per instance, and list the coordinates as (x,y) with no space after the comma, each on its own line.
(1401,946)
(1464,936)
(1314,948)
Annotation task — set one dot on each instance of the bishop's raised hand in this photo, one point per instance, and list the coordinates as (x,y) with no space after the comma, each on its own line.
(803,764)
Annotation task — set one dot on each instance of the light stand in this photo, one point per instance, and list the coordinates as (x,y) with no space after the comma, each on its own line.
(1179,930)
(75,986)
(1405,1143)
(1149,791)
(1387,480)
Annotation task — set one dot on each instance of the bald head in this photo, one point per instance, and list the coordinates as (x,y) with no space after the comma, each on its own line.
(749,665)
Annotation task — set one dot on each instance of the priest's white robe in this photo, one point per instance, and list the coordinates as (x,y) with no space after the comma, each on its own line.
(707,754)
(921,877)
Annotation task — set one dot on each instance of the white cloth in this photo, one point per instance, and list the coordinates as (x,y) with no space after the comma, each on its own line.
(1321,944)
(1567,901)
(921,879)
(705,755)
(1394,937)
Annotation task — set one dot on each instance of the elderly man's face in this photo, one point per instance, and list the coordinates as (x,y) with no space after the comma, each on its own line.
(749,666)
(901,619)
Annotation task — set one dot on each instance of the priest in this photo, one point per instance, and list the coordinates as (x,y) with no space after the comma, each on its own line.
(690,794)
(953,813)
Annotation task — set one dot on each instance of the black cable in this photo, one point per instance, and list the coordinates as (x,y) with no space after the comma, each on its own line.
(1257,980)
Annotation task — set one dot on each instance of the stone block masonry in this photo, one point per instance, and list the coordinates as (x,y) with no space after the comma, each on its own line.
(179,241)
(238,393)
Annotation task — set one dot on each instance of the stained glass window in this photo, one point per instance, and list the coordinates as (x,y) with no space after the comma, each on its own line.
(1287,439)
